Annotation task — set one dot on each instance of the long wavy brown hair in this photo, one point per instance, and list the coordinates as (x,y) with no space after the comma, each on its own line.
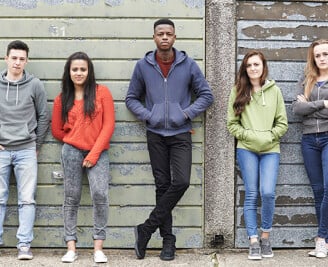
(243,84)
(311,69)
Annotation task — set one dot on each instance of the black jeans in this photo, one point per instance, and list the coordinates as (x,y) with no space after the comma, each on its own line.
(170,159)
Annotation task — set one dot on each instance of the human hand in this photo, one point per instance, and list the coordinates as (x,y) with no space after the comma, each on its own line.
(325,103)
(87,164)
(301,98)
(2,148)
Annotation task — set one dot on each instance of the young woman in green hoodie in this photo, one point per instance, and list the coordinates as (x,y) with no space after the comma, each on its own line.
(257,119)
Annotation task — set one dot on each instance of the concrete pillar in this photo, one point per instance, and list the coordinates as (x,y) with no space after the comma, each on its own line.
(219,145)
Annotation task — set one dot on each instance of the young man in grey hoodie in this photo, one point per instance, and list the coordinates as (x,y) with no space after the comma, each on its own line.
(24,122)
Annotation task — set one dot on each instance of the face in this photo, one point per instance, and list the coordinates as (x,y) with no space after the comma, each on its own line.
(320,53)
(16,61)
(254,67)
(79,71)
(164,37)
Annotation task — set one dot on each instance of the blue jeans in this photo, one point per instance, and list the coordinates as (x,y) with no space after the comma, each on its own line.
(24,164)
(259,173)
(98,176)
(315,155)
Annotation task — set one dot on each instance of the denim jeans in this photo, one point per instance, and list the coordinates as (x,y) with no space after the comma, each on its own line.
(259,173)
(98,177)
(170,158)
(24,164)
(315,155)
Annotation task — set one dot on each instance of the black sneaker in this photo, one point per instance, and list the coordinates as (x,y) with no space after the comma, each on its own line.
(142,239)
(168,252)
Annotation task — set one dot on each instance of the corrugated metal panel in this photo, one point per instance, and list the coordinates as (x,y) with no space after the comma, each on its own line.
(115,34)
(283,31)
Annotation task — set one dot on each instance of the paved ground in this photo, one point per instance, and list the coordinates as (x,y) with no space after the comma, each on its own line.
(184,258)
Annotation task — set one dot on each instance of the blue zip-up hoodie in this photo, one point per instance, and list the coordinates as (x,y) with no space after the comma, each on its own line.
(168,109)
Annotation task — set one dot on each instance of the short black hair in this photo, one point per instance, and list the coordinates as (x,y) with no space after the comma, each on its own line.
(18,45)
(163,21)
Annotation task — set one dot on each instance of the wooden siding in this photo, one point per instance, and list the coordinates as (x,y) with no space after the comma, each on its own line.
(283,31)
(115,34)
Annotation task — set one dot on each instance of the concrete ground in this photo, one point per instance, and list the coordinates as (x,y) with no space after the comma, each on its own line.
(184,258)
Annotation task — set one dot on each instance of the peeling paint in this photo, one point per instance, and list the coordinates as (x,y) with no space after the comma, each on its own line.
(83,2)
(31,4)
(114,2)
(163,2)
(265,3)
(193,240)
(20,4)
(194,3)
(312,4)
(54,2)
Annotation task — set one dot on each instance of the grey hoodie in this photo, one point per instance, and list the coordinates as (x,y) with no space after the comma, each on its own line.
(24,113)
(314,113)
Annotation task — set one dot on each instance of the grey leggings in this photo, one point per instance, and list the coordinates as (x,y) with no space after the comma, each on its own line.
(98,177)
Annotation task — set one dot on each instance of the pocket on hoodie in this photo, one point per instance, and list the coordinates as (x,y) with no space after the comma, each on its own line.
(15,131)
(258,141)
(157,115)
(176,115)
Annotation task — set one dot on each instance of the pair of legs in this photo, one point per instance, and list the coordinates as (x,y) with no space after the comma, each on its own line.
(315,155)
(170,158)
(98,177)
(24,164)
(259,173)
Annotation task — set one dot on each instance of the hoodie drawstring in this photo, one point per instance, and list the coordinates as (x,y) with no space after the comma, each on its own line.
(263,100)
(16,94)
(7,93)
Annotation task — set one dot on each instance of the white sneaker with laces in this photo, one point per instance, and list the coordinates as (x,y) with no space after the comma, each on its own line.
(69,257)
(320,249)
(99,257)
(312,253)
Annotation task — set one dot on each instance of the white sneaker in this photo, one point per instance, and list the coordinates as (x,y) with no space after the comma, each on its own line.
(70,256)
(311,253)
(320,249)
(99,257)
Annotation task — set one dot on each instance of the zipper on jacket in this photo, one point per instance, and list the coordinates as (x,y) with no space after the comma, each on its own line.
(166,116)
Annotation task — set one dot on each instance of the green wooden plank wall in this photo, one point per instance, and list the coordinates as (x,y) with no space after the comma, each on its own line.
(114,34)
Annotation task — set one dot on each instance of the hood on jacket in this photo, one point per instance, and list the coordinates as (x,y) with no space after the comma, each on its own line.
(150,56)
(25,79)
(266,86)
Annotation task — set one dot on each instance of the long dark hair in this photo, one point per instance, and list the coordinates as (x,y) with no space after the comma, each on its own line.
(68,91)
(243,84)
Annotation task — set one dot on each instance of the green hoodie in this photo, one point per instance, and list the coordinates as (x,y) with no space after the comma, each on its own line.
(262,123)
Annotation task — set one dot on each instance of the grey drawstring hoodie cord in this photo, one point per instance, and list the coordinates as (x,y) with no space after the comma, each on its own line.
(7,94)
